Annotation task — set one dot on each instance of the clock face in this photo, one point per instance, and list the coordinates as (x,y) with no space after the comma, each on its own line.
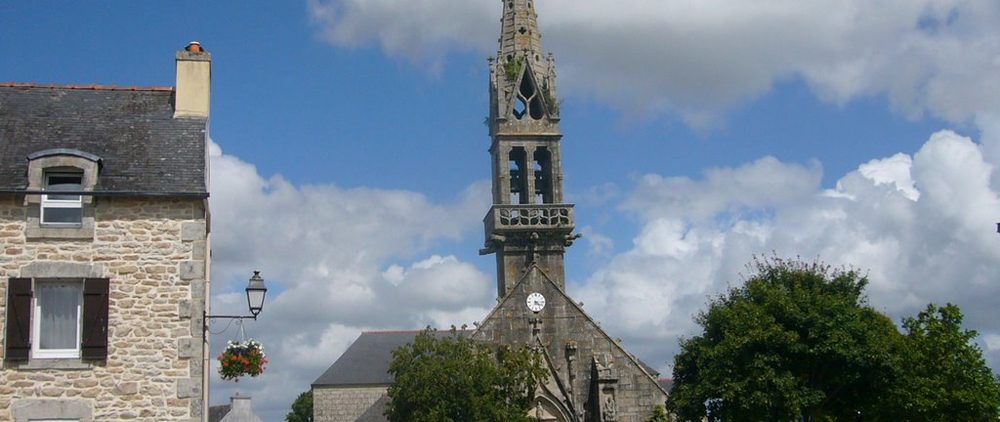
(536,302)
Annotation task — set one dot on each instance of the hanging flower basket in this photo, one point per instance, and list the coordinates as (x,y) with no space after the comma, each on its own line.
(241,359)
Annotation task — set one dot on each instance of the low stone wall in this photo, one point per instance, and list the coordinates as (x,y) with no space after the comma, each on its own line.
(155,253)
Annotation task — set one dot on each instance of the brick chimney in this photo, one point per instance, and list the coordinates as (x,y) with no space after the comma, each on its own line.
(194,81)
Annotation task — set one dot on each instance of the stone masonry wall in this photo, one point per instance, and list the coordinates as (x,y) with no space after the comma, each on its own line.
(154,251)
(348,404)
(564,324)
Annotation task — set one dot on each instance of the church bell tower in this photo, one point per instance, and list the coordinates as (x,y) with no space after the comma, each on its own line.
(528,223)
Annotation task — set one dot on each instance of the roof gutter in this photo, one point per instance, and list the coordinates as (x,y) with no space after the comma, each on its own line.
(196,195)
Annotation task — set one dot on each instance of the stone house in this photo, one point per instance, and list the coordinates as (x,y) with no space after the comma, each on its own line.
(354,387)
(104,249)
(592,377)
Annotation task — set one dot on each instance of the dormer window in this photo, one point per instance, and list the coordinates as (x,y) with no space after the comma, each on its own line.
(60,205)
(62,209)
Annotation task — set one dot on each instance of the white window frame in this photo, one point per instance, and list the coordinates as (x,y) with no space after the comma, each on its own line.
(61,203)
(36,326)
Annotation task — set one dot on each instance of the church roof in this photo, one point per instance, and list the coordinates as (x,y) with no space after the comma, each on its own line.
(142,148)
(366,361)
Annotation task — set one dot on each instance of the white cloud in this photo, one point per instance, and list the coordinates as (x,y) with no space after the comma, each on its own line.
(723,190)
(699,57)
(894,170)
(936,246)
(337,261)
(598,245)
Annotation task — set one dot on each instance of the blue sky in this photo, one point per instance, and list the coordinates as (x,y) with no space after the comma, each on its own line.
(353,153)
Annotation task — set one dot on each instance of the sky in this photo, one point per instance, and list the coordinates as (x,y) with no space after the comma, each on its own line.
(350,165)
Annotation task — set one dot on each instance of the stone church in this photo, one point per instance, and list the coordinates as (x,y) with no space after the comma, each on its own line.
(592,377)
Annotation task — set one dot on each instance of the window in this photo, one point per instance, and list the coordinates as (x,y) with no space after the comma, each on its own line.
(56,316)
(57,319)
(57,210)
(518,181)
(62,210)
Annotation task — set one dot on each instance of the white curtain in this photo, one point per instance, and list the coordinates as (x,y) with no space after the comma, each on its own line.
(59,305)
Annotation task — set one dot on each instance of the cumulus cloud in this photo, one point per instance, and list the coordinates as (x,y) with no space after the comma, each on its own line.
(337,262)
(920,227)
(698,57)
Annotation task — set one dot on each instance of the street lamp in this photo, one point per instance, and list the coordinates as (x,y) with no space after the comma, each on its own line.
(255,293)
(256,290)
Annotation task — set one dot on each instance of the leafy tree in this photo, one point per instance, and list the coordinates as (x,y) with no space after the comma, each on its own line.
(302,408)
(659,415)
(796,342)
(943,374)
(454,378)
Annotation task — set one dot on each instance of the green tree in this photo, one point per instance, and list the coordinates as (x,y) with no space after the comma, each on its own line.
(302,408)
(796,342)
(659,415)
(943,374)
(454,378)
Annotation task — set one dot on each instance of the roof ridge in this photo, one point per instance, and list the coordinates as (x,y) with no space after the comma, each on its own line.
(90,87)
(459,329)
(390,331)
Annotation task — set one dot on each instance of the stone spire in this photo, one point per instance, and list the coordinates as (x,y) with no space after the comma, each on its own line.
(523,79)
(528,225)
(519,32)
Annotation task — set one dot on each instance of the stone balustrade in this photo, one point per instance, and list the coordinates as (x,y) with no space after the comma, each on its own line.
(529,217)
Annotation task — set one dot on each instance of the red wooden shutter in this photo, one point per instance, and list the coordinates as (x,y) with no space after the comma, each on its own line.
(94,341)
(18,335)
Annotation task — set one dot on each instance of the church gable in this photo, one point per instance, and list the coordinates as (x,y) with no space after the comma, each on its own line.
(599,377)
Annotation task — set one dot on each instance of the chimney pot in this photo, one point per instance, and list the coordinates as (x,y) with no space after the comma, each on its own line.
(194,47)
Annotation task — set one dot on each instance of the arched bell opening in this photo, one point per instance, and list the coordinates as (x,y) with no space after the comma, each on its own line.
(528,102)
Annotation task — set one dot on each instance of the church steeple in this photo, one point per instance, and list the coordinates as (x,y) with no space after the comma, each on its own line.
(523,77)
(519,31)
(528,223)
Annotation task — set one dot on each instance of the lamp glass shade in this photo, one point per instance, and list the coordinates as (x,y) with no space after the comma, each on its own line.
(255,293)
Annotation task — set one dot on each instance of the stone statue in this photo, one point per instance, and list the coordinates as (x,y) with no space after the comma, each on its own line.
(610,411)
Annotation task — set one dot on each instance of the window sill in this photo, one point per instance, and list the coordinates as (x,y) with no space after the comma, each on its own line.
(66,364)
(59,232)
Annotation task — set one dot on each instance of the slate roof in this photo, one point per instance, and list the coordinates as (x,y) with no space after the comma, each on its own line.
(366,361)
(216,413)
(143,148)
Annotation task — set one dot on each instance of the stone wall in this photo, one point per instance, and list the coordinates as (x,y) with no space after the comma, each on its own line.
(339,404)
(154,251)
(566,331)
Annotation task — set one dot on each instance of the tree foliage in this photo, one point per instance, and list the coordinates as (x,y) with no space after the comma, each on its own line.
(659,415)
(943,374)
(454,378)
(302,408)
(796,342)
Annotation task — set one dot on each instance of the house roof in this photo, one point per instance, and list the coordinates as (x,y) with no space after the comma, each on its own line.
(366,361)
(142,148)
(216,413)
